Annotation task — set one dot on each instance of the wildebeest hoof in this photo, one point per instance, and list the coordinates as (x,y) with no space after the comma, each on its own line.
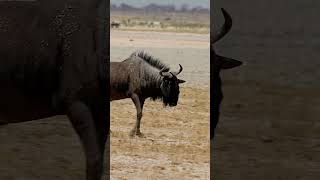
(137,133)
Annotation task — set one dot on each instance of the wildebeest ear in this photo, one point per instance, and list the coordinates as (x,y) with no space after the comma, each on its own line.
(180,81)
(227,63)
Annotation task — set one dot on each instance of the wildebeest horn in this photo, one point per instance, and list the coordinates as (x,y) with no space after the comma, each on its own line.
(227,63)
(164,72)
(176,73)
(224,29)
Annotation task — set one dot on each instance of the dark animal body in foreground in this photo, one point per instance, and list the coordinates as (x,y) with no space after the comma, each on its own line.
(142,76)
(54,61)
(219,62)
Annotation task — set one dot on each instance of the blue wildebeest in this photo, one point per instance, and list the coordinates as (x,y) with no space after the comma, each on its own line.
(219,62)
(54,61)
(115,24)
(142,76)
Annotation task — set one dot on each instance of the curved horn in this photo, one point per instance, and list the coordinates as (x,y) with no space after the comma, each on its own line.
(224,29)
(164,72)
(176,73)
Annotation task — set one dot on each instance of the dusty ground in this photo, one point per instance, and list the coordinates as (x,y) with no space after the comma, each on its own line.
(176,144)
(177,139)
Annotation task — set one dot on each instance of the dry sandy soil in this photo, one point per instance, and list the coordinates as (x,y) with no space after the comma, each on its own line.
(176,145)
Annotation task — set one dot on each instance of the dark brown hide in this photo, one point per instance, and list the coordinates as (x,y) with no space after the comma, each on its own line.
(54,60)
(142,76)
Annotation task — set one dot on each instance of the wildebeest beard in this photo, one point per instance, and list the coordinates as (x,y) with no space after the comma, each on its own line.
(161,89)
(170,96)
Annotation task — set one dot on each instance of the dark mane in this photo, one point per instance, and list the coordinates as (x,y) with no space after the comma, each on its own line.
(151,60)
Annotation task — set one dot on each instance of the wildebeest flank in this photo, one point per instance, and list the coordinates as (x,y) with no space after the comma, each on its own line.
(54,59)
(219,62)
(142,76)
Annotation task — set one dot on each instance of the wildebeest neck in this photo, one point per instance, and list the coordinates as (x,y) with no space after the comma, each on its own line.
(150,81)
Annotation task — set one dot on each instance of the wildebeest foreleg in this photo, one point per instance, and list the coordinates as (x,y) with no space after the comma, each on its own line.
(138,102)
(82,121)
(139,116)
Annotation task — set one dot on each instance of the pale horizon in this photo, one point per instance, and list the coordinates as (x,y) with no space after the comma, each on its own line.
(176,3)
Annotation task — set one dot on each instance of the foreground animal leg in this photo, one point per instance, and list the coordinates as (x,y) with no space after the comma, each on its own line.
(100,115)
(138,102)
(214,122)
(83,123)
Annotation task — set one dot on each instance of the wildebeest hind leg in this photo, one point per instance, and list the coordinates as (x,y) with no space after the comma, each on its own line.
(138,102)
(83,123)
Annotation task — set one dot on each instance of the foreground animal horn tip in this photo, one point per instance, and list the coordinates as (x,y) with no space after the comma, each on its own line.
(225,14)
(224,11)
(225,28)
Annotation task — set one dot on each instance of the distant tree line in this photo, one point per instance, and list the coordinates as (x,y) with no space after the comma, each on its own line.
(159,8)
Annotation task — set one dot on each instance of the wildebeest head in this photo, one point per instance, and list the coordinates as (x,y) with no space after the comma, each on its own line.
(170,86)
(222,62)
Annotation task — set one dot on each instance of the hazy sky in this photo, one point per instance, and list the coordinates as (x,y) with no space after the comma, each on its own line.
(177,3)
